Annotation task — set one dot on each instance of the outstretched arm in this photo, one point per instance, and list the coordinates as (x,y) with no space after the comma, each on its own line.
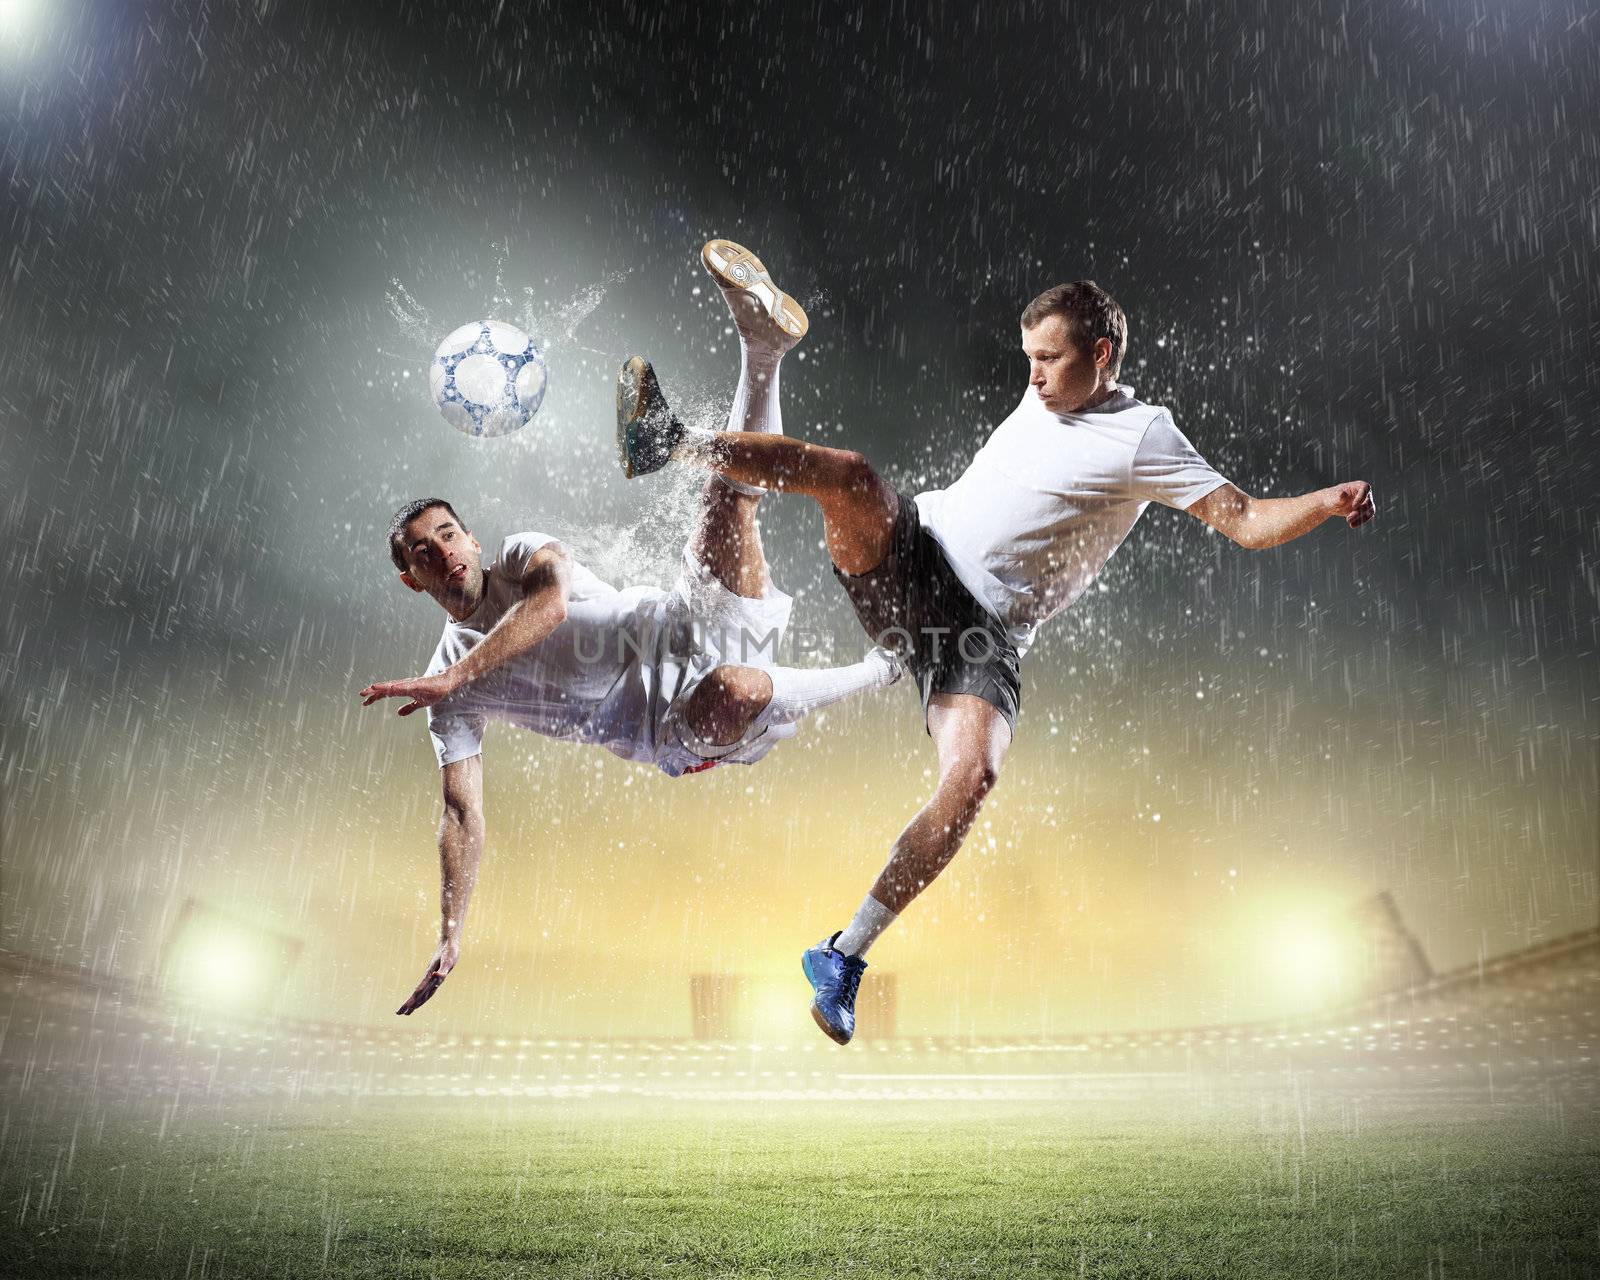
(1257,523)
(460,848)
(546,583)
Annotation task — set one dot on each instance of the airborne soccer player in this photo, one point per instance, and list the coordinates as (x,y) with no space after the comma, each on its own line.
(684,679)
(958,580)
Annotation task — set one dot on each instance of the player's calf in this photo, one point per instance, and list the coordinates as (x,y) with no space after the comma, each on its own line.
(934,836)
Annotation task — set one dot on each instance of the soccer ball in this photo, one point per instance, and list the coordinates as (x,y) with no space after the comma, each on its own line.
(487,378)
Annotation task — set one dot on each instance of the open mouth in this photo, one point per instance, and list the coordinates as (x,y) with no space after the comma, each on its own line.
(457,574)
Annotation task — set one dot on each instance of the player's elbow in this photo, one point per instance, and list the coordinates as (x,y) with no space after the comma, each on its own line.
(1244,526)
(852,471)
(1248,537)
(1256,533)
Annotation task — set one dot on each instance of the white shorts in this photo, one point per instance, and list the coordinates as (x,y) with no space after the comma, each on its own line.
(726,629)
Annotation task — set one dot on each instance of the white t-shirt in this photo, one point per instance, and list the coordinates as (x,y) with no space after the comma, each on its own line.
(583,683)
(1034,518)
(614,671)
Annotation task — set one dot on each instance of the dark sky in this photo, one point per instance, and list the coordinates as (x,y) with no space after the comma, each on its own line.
(1353,240)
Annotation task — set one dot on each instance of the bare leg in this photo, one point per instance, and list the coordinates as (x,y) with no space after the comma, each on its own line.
(752,456)
(971,738)
(858,505)
(731,699)
(726,703)
(727,541)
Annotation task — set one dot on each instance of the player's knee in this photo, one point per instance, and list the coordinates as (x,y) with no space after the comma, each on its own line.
(853,472)
(972,776)
(740,693)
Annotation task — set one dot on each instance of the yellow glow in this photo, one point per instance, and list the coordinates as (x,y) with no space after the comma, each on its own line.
(1312,962)
(778,1013)
(218,968)
(1066,912)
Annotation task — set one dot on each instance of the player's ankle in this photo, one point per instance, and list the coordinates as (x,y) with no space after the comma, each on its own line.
(868,924)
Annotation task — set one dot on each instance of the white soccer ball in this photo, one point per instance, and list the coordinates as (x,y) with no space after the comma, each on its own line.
(487,378)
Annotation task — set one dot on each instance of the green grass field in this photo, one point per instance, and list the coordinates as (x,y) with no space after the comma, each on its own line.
(1427,1187)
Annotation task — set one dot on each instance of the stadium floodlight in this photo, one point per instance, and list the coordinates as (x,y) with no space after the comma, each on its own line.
(216,959)
(1320,957)
(14,15)
(1311,960)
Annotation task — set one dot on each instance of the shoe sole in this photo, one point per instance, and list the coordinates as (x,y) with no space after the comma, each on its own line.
(816,1016)
(629,383)
(816,1013)
(734,267)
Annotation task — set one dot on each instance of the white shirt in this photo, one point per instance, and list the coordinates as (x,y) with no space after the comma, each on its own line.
(583,683)
(1034,518)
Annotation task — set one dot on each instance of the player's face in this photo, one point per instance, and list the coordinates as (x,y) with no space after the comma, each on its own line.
(442,558)
(1065,376)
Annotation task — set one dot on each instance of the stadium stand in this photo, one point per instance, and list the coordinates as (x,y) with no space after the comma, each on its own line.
(1527,1020)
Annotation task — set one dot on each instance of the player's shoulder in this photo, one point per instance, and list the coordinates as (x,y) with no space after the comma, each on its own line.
(526,542)
(516,549)
(1146,422)
(1128,421)
(1125,404)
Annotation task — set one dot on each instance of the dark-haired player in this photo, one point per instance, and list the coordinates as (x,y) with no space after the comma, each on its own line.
(684,679)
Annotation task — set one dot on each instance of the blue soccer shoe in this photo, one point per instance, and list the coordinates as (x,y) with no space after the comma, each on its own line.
(836,978)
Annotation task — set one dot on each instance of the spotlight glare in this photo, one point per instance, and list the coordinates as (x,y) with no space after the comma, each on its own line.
(1310,960)
(218,959)
(219,969)
(14,15)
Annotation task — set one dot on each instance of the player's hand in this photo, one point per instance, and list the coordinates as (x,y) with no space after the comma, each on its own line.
(1354,502)
(423,691)
(444,960)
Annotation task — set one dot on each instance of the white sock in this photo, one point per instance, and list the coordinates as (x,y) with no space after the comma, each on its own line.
(798,691)
(755,408)
(755,404)
(871,919)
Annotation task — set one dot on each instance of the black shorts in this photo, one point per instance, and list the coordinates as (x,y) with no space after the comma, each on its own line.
(914,605)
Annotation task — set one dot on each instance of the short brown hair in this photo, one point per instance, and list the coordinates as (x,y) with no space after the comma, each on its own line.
(404,516)
(1090,312)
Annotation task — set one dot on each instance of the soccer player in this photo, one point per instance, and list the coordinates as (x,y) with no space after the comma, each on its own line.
(685,679)
(958,580)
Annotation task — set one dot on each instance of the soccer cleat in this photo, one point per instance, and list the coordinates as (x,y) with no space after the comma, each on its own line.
(647,430)
(835,977)
(765,314)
